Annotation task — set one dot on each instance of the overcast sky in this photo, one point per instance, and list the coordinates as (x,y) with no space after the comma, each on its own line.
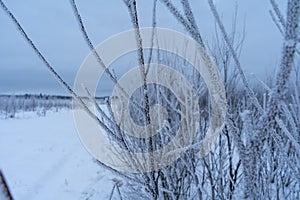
(52,27)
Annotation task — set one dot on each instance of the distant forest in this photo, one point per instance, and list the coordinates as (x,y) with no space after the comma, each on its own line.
(10,105)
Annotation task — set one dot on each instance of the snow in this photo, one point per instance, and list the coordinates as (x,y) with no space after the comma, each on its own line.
(42,158)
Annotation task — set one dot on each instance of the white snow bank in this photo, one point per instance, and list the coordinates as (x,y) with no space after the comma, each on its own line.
(42,158)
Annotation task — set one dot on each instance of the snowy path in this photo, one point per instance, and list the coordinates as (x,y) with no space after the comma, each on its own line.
(42,158)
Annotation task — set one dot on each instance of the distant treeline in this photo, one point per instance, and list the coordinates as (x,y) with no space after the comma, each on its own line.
(10,105)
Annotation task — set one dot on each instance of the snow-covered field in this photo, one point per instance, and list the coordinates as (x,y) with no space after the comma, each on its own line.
(43,158)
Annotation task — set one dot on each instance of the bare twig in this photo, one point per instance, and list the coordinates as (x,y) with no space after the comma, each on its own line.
(278,13)
(276,23)
(134,18)
(190,17)
(152,35)
(186,24)
(235,57)
(4,190)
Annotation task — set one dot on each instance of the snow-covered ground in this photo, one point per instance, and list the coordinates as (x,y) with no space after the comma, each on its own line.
(42,158)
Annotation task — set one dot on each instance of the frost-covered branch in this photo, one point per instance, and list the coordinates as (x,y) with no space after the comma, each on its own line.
(276,22)
(186,24)
(89,42)
(190,17)
(278,13)
(4,190)
(289,47)
(235,57)
(141,60)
